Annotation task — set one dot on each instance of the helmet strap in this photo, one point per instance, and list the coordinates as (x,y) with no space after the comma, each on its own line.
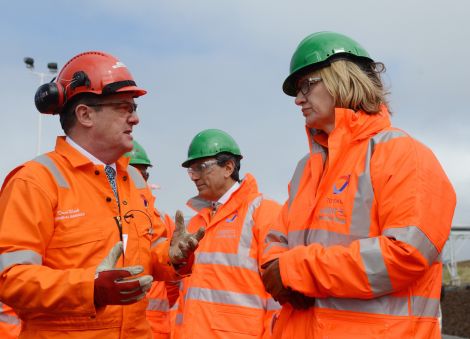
(115,86)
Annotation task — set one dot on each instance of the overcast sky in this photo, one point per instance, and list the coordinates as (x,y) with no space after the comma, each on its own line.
(221,64)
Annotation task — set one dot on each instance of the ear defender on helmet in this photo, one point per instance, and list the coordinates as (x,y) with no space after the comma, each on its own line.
(50,97)
(80,79)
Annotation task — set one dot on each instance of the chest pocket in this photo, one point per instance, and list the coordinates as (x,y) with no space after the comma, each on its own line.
(76,238)
(87,247)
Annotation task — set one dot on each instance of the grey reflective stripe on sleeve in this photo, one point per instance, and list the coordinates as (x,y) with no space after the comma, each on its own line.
(413,236)
(47,162)
(324,237)
(158,241)
(295,181)
(225,297)
(22,257)
(6,318)
(181,284)
(136,177)
(156,304)
(275,238)
(9,319)
(272,305)
(364,197)
(425,307)
(374,264)
(227,259)
(179,319)
(386,304)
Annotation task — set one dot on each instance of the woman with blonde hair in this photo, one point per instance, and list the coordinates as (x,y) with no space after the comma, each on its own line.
(368,213)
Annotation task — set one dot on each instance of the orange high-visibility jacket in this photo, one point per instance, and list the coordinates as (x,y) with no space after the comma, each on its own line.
(158,309)
(10,324)
(225,297)
(58,220)
(368,213)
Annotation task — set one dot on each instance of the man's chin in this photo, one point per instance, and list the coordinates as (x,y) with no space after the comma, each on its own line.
(202,195)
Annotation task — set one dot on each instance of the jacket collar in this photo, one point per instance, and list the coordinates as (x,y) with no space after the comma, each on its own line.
(350,126)
(248,185)
(77,159)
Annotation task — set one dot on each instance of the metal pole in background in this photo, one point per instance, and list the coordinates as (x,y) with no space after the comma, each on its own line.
(52,66)
(39,134)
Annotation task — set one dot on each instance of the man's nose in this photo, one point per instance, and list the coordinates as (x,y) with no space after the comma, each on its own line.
(134,118)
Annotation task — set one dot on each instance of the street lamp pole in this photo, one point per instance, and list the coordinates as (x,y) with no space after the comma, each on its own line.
(52,67)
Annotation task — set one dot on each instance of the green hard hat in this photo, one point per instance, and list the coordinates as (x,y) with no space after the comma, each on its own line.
(316,51)
(209,143)
(138,155)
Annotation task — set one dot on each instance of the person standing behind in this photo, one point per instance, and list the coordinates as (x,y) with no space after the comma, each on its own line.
(225,297)
(158,309)
(64,211)
(369,208)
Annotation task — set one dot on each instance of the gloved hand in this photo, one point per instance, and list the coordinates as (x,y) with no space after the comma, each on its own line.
(119,286)
(183,244)
(273,283)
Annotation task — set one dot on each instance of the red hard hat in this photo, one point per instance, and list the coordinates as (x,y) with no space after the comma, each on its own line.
(88,72)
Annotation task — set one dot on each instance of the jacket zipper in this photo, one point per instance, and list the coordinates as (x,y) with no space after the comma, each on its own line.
(118,221)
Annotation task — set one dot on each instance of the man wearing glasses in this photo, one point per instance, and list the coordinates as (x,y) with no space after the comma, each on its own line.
(76,224)
(225,297)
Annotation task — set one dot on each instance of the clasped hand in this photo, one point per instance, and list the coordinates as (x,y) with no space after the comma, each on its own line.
(273,283)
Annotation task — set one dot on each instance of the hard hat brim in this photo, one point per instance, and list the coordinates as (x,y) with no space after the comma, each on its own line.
(136,90)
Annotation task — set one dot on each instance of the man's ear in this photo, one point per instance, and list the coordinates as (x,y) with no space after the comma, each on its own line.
(84,115)
(229,168)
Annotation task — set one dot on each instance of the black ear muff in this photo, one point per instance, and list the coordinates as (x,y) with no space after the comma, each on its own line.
(49,98)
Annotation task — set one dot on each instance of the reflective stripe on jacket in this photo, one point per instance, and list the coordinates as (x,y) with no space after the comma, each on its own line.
(225,297)
(368,214)
(158,308)
(10,324)
(58,220)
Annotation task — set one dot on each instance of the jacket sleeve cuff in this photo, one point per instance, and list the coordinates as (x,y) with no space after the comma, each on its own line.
(295,267)
(88,291)
(291,275)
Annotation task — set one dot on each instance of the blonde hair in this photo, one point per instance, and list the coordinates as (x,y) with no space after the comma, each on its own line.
(355,86)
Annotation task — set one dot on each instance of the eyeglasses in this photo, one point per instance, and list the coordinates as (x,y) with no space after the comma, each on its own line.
(201,167)
(304,86)
(129,107)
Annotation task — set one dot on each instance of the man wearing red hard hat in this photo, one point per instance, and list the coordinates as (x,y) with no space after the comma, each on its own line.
(76,223)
